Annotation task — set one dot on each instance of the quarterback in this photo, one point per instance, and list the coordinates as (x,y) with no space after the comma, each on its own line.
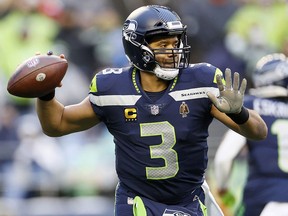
(158,110)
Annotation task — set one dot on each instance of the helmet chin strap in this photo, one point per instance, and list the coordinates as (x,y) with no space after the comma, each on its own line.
(165,73)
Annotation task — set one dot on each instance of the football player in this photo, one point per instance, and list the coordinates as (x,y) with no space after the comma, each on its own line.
(266,188)
(158,110)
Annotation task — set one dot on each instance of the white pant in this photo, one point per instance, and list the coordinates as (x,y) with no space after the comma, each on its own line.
(275,208)
(213,208)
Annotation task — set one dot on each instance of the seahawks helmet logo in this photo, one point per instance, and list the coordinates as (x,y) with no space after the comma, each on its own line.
(129,29)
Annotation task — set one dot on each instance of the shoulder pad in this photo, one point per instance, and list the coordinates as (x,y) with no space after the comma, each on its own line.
(106,78)
(205,73)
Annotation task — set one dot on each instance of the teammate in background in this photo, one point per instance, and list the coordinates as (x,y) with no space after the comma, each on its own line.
(158,110)
(266,188)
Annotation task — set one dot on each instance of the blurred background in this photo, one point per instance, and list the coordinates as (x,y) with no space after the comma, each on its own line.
(74,174)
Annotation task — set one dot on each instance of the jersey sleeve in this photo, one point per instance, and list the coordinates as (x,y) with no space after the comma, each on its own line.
(105,87)
(208,78)
(208,74)
(94,94)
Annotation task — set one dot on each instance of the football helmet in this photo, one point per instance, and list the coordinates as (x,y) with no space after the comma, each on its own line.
(271,76)
(146,22)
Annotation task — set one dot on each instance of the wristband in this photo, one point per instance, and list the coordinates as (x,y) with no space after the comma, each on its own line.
(48,96)
(241,117)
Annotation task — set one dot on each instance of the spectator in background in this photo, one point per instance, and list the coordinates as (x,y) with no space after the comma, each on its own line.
(24,31)
(90,43)
(75,38)
(266,189)
(110,49)
(5,5)
(206,20)
(257,28)
(37,164)
(9,142)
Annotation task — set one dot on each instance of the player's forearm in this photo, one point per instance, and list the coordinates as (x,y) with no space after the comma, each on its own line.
(50,114)
(255,128)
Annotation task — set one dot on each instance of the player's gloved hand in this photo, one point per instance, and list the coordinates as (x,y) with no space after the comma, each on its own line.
(231,96)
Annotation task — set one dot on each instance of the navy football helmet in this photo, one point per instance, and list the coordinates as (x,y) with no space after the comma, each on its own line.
(271,75)
(146,22)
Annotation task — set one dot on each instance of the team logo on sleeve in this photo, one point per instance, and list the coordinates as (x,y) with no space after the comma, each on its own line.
(184,109)
(129,29)
(130,114)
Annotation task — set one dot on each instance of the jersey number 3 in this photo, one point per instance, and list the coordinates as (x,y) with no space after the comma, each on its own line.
(163,150)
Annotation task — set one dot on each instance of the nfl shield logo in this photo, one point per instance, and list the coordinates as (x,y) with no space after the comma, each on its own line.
(154,110)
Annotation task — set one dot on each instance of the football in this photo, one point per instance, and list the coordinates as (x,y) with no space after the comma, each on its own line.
(37,76)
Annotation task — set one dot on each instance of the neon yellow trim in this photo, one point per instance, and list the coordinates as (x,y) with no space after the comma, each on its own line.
(218,71)
(137,88)
(93,85)
(139,207)
(174,83)
(134,80)
(203,207)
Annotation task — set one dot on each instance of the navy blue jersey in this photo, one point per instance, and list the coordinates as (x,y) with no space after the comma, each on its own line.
(161,146)
(268,159)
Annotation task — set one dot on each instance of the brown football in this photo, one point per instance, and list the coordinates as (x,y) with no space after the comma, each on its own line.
(37,76)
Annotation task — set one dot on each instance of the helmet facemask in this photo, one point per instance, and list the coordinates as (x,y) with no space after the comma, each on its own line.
(179,58)
(169,69)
